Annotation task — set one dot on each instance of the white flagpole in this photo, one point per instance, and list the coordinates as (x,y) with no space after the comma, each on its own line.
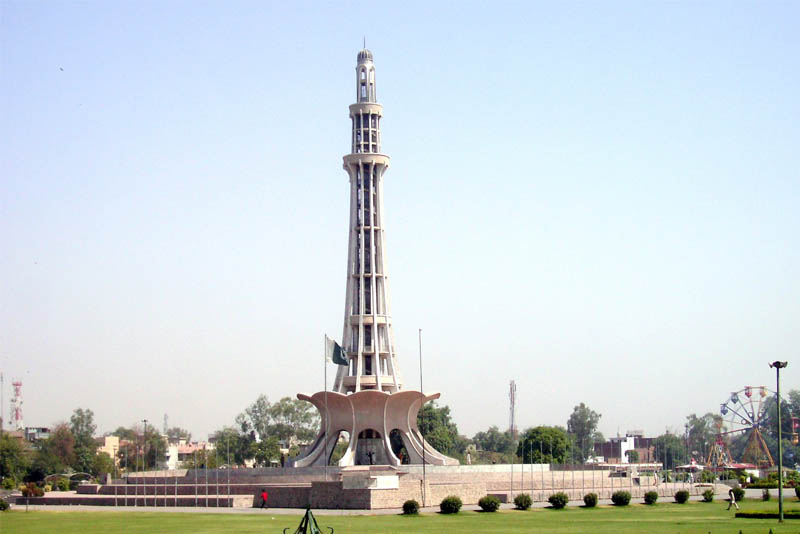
(325,419)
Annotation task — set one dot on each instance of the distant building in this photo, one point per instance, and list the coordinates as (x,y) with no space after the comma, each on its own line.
(110,446)
(180,451)
(615,450)
(36,433)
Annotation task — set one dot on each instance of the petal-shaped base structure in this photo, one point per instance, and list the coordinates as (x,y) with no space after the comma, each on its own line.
(369,417)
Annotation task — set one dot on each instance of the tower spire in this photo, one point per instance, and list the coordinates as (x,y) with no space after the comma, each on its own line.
(368,337)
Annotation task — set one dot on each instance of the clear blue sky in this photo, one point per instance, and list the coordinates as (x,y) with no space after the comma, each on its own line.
(598,200)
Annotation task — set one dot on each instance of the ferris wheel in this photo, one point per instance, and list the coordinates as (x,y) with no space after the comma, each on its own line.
(745,413)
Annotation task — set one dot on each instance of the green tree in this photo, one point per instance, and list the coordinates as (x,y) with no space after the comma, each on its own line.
(266,451)
(102,464)
(544,445)
(670,450)
(440,431)
(139,451)
(292,418)
(494,441)
(582,425)
(82,427)
(232,443)
(177,433)
(256,417)
(701,434)
(633,456)
(15,457)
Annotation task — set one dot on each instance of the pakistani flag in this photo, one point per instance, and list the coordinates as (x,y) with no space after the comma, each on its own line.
(334,352)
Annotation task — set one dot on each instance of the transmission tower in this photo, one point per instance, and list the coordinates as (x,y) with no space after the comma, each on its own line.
(512,409)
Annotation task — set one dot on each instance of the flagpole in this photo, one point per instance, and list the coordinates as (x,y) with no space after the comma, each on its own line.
(325,422)
(424,478)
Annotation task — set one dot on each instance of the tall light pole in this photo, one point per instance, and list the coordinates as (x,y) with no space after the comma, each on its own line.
(778,366)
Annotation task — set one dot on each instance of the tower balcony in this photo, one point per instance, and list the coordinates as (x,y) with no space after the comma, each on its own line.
(371,158)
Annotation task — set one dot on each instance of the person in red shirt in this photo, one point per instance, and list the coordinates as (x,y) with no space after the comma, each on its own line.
(264,496)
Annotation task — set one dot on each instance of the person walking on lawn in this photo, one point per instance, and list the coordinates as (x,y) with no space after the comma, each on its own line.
(264,496)
(733,499)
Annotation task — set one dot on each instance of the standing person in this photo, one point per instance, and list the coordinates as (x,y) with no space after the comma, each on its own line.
(733,499)
(264,496)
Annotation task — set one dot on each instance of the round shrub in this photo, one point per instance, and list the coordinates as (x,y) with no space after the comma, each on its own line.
(766,495)
(708,495)
(48,487)
(590,500)
(489,503)
(411,507)
(9,483)
(650,497)
(523,501)
(4,505)
(738,493)
(450,504)
(32,490)
(558,500)
(621,498)
(681,496)
(62,484)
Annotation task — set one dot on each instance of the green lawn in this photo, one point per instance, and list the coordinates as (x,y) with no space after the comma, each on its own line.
(691,518)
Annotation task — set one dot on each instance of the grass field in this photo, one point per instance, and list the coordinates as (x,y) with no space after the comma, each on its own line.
(691,518)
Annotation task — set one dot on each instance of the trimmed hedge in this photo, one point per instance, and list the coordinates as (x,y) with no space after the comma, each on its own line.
(792,514)
(558,500)
(590,500)
(681,496)
(450,504)
(523,501)
(411,507)
(489,503)
(621,498)
(650,497)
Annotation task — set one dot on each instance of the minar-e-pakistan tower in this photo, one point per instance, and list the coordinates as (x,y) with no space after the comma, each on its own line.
(368,400)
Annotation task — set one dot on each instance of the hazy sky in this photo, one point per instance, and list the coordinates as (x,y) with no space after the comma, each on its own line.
(600,201)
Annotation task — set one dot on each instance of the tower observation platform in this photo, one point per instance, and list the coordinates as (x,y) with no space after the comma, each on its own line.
(368,401)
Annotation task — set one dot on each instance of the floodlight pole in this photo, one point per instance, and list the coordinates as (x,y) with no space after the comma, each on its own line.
(778,366)
(424,477)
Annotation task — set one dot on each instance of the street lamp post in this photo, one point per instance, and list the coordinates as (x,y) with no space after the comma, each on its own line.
(778,366)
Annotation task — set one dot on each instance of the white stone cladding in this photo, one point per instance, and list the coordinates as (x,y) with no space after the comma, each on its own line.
(367,335)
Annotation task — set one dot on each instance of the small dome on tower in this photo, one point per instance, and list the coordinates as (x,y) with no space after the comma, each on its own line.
(364,55)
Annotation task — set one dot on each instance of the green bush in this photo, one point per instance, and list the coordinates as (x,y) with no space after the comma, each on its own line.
(650,497)
(450,504)
(489,503)
(766,495)
(9,483)
(708,495)
(788,514)
(62,484)
(4,505)
(707,476)
(681,496)
(621,498)
(32,490)
(738,493)
(558,500)
(797,492)
(590,500)
(411,507)
(48,487)
(523,501)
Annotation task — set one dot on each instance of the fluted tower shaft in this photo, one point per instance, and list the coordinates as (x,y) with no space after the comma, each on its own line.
(367,336)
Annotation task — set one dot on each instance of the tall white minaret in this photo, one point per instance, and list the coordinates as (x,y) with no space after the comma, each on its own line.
(368,337)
